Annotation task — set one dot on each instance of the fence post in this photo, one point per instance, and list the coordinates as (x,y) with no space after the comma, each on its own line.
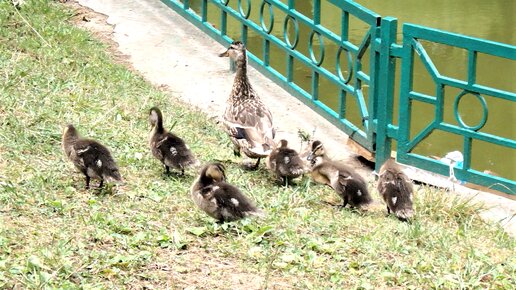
(385,104)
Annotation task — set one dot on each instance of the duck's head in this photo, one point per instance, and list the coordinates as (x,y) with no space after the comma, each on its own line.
(283,143)
(317,151)
(235,51)
(69,132)
(155,117)
(215,172)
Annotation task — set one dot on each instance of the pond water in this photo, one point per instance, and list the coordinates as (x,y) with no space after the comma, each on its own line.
(492,20)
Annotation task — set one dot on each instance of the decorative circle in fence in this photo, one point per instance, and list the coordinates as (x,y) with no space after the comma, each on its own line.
(291,45)
(271,17)
(484,110)
(319,60)
(346,79)
(247,12)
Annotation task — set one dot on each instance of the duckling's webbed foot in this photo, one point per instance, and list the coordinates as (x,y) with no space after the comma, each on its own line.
(388,210)
(101,183)
(167,170)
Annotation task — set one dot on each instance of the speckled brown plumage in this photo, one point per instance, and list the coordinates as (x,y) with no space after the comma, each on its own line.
(247,120)
(396,190)
(219,199)
(168,148)
(285,163)
(93,159)
(346,182)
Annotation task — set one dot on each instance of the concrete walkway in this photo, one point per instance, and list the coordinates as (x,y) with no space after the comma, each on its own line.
(168,50)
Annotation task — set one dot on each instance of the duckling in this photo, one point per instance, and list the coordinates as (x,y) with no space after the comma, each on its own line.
(396,190)
(247,120)
(219,199)
(285,163)
(167,147)
(89,156)
(348,184)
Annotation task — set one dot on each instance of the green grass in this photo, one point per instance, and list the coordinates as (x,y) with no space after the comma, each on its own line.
(148,233)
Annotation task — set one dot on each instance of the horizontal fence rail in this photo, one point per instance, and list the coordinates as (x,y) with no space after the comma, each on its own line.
(369,63)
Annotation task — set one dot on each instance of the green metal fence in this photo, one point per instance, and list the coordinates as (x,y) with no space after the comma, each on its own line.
(377,74)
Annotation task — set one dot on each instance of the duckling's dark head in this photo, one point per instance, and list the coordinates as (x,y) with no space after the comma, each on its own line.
(214,172)
(235,51)
(155,117)
(317,150)
(70,131)
(283,143)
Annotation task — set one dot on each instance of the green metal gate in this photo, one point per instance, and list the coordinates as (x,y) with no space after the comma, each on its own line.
(369,83)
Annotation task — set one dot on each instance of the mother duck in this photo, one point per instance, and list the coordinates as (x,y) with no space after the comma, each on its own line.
(247,120)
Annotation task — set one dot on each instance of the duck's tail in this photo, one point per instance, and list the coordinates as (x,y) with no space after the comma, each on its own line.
(112,175)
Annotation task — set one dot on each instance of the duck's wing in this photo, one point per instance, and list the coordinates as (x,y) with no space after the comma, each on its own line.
(233,200)
(96,157)
(289,162)
(251,120)
(173,147)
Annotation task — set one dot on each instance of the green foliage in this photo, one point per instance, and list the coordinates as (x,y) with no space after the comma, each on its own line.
(148,233)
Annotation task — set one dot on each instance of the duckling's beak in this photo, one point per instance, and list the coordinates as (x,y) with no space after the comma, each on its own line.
(224,54)
(310,156)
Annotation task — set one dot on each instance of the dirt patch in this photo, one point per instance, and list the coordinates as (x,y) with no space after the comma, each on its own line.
(97,24)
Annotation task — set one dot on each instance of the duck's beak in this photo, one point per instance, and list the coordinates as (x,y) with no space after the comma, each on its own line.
(224,54)
(310,156)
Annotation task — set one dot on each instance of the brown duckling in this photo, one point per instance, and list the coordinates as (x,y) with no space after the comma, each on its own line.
(396,190)
(247,120)
(348,184)
(89,156)
(285,163)
(219,199)
(167,147)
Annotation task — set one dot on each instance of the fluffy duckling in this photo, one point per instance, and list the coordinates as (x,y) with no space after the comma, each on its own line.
(348,184)
(247,120)
(167,147)
(219,199)
(89,156)
(285,163)
(396,190)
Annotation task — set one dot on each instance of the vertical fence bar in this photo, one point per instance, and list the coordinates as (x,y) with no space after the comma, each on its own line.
(385,98)
(317,12)
(291,4)
(266,52)
(467,153)
(244,34)
(342,104)
(186,4)
(405,106)
(223,22)
(472,66)
(290,68)
(344,26)
(204,10)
